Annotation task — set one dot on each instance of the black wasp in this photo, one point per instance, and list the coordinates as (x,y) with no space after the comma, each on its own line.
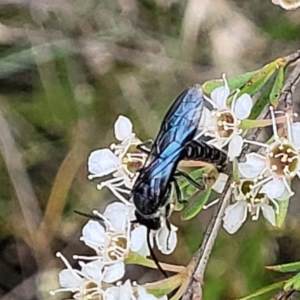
(174,142)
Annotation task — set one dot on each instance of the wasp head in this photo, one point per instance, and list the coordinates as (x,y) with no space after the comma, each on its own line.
(152,222)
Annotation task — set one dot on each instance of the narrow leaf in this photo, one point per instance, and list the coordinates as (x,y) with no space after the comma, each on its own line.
(277,87)
(262,101)
(283,208)
(164,287)
(137,259)
(195,206)
(259,79)
(293,283)
(234,82)
(286,268)
(264,290)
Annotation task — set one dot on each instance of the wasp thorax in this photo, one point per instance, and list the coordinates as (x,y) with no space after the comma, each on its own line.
(283,159)
(225,123)
(117,248)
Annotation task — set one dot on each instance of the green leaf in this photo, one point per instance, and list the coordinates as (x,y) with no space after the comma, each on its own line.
(283,209)
(164,287)
(286,268)
(259,79)
(293,283)
(235,168)
(264,290)
(186,188)
(137,259)
(234,82)
(193,208)
(262,101)
(277,87)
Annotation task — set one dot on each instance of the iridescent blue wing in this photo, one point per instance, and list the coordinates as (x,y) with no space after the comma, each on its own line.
(178,128)
(180,123)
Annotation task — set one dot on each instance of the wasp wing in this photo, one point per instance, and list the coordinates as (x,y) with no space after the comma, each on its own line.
(180,123)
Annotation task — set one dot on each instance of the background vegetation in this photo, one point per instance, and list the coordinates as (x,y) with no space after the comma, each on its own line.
(67,70)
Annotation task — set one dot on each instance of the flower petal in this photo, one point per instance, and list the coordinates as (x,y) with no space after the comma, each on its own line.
(235,215)
(138,242)
(123,128)
(113,293)
(166,240)
(253,166)
(296,134)
(242,107)
(93,234)
(122,292)
(208,122)
(102,162)
(286,4)
(269,213)
(114,206)
(285,195)
(117,215)
(235,146)
(219,185)
(114,272)
(274,188)
(68,279)
(220,95)
(93,270)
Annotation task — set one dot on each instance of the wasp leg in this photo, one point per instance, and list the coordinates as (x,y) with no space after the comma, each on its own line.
(145,147)
(178,192)
(190,180)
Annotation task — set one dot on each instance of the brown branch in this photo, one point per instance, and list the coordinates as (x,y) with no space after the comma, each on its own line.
(287,93)
(201,257)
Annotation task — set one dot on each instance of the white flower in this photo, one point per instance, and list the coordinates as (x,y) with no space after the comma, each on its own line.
(220,183)
(222,123)
(121,161)
(120,292)
(248,199)
(279,164)
(113,239)
(126,292)
(287,4)
(166,238)
(144,295)
(123,129)
(87,282)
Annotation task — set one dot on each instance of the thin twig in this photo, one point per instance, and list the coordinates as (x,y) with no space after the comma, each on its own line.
(200,259)
(289,88)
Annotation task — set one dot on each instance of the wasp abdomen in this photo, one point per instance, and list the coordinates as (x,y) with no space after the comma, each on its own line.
(200,150)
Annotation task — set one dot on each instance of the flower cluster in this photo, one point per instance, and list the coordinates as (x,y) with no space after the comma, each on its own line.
(266,176)
(112,234)
(262,180)
(121,161)
(93,281)
(222,123)
(112,239)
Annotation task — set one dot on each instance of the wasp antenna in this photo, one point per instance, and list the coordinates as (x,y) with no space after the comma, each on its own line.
(87,215)
(153,255)
(168,224)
